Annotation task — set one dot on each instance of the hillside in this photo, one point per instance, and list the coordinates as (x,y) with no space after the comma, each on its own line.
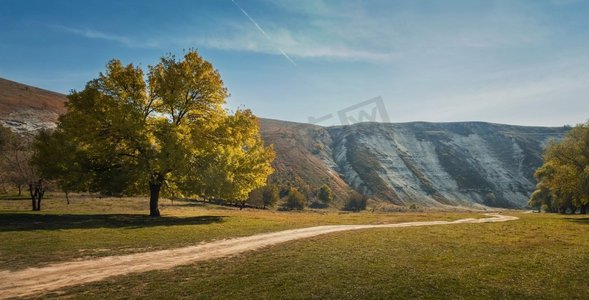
(25,108)
(304,158)
(428,164)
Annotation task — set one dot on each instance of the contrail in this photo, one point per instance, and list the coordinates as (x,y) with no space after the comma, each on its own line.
(263,32)
(287,57)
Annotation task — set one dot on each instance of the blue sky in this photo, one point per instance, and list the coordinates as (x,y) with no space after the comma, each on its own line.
(516,62)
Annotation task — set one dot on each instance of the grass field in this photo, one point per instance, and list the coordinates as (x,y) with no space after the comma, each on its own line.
(538,256)
(91,227)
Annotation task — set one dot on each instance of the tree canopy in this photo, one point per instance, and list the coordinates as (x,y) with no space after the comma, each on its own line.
(563,179)
(127,132)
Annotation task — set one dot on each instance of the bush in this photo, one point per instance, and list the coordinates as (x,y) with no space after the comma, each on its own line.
(324,194)
(295,200)
(266,196)
(356,202)
(255,198)
(270,195)
(317,148)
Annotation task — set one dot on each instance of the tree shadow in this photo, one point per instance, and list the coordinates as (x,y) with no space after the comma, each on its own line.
(15,198)
(30,222)
(579,220)
(184,204)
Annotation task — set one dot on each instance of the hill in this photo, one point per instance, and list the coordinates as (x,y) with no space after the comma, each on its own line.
(304,158)
(399,164)
(25,108)
(427,164)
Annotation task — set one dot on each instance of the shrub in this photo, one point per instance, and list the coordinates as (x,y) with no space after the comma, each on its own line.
(270,195)
(317,148)
(295,200)
(356,202)
(324,194)
(323,197)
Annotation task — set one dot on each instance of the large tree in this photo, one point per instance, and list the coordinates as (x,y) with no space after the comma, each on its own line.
(127,133)
(564,176)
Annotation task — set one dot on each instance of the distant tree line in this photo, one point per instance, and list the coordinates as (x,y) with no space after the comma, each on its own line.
(563,179)
(293,199)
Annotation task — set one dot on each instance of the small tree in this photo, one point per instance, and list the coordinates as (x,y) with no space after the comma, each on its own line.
(37,190)
(270,195)
(324,194)
(356,202)
(295,200)
(266,196)
(60,160)
(15,156)
(15,161)
(255,198)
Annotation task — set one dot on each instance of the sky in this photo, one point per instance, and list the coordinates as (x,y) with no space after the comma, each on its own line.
(513,62)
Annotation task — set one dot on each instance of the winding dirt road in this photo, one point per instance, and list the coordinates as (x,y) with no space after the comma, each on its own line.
(34,281)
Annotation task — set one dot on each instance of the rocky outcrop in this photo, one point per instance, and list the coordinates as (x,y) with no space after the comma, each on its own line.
(429,164)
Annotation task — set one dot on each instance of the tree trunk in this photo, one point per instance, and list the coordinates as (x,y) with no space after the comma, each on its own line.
(19,190)
(33,196)
(154,190)
(40,193)
(583,209)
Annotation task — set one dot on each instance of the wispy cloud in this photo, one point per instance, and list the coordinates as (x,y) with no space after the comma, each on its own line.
(350,31)
(297,46)
(95,34)
(354,31)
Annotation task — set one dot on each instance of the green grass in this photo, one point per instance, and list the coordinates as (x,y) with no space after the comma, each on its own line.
(101,227)
(540,256)
(537,257)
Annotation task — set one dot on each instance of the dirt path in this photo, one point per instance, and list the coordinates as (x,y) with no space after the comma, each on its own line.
(42,280)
